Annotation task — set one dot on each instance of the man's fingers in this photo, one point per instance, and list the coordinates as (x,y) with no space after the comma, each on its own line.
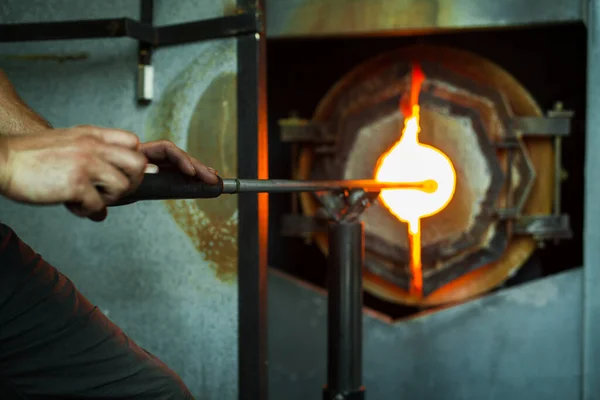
(110,182)
(131,163)
(90,203)
(76,209)
(80,212)
(207,174)
(163,151)
(99,216)
(151,169)
(181,159)
(112,136)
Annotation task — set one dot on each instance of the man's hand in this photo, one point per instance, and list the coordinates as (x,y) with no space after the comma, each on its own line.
(166,155)
(86,167)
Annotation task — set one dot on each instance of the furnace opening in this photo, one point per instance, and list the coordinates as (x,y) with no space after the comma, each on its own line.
(409,160)
(309,79)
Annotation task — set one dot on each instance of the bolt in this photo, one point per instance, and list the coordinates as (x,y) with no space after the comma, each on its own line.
(558,106)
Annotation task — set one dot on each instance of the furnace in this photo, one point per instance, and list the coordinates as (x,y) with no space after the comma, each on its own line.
(503,149)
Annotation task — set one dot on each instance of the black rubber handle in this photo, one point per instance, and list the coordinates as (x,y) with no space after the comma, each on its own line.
(172,185)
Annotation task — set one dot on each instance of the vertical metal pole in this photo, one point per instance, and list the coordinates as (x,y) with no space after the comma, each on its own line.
(344,318)
(252,210)
(591,219)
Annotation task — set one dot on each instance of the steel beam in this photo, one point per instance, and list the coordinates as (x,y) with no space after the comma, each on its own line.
(591,216)
(215,28)
(301,18)
(253,210)
(83,29)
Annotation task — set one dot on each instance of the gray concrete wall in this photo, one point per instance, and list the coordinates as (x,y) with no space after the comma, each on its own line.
(520,343)
(143,267)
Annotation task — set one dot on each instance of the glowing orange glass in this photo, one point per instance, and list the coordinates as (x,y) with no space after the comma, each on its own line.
(411,161)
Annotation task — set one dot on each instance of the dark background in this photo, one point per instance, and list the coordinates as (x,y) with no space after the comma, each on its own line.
(549,62)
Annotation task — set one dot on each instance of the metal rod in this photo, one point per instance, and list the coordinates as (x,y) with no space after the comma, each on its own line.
(344,318)
(164,186)
(208,29)
(557,174)
(215,28)
(81,29)
(232,186)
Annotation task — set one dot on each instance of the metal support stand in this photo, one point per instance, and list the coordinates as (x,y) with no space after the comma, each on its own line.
(344,286)
(344,320)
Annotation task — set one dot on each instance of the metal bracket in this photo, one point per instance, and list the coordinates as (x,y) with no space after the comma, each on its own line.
(556,125)
(517,157)
(344,206)
(544,227)
(145,83)
(297,130)
(149,36)
(158,36)
(542,126)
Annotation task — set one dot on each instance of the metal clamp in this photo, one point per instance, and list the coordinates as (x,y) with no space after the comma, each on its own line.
(341,206)
(556,125)
(298,130)
(344,206)
(544,227)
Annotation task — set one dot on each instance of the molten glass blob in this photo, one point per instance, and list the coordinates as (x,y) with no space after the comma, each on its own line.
(411,161)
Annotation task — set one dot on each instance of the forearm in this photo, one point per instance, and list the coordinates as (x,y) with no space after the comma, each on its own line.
(16,118)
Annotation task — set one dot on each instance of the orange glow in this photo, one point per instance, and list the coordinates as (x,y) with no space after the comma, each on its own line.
(411,161)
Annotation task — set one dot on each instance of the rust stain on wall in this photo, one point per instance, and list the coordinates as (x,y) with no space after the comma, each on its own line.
(321,17)
(205,125)
(212,138)
(214,236)
(230,8)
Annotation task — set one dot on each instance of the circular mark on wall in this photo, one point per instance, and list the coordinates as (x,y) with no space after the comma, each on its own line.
(198,112)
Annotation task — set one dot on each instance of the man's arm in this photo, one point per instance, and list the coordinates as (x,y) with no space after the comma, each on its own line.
(63,165)
(88,166)
(16,118)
